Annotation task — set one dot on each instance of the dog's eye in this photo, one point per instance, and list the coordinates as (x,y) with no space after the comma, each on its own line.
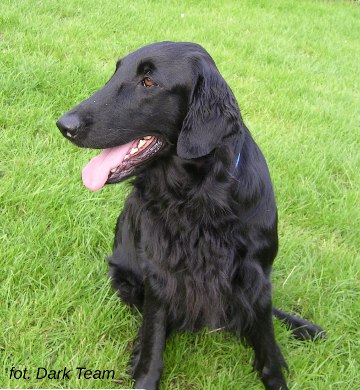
(147,82)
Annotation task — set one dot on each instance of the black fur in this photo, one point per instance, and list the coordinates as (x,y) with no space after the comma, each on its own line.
(197,237)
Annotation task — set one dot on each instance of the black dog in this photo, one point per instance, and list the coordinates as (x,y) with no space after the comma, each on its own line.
(197,237)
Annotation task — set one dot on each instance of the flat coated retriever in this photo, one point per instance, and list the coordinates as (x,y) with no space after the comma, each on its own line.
(195,242)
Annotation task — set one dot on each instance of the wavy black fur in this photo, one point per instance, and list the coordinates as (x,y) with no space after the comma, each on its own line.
(197,237)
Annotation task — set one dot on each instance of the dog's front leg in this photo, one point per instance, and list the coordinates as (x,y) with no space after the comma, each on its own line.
(269,360)
(149,367)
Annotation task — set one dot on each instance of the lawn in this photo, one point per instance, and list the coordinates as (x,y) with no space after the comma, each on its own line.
(294,67)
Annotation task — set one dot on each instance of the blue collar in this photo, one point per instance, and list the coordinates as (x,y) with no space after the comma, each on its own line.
(237,160)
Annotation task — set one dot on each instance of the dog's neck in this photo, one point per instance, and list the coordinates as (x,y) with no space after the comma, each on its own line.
(190,181)
(227,176)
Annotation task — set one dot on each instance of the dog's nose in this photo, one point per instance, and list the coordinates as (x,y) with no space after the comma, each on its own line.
(69,125)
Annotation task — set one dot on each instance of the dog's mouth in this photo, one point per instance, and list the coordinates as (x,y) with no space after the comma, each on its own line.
(114,164)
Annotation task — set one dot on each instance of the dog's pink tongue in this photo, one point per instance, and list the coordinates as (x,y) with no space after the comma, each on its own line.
(96,172)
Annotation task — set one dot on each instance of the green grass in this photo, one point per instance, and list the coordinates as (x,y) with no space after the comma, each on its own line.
(295,69)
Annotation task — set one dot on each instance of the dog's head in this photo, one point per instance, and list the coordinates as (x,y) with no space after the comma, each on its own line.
(163,97)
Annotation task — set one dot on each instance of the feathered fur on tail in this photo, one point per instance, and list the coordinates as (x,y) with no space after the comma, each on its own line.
(301,329)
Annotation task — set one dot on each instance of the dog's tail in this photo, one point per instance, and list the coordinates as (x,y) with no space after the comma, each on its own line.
(301,329)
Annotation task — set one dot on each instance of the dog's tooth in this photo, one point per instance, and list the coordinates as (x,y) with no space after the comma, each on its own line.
(141,143)
(147,137)
(134,150)
(126,157)
(113,170)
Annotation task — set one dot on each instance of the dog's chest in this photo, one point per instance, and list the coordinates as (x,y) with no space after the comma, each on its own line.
(190,258)
(174,237)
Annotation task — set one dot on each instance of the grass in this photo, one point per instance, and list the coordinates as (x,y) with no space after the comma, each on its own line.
(294,67)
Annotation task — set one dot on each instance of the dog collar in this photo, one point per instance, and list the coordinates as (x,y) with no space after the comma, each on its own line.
(237,160)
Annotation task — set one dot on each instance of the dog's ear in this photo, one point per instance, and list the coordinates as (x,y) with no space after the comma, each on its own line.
(213,114)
